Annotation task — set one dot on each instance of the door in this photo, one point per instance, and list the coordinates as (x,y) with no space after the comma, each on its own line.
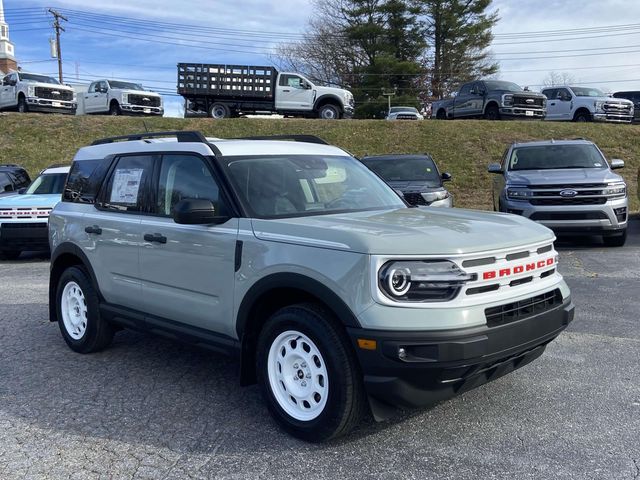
(293,93)
(463,102)
(188,270)
(115,231)
(559,104)
(95,98)
(8,91)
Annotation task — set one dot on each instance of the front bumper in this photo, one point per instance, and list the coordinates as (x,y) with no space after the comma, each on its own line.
(522,113)
(441,364)
(24,236)
(602,219)
(141,109)
(612,118)
(37,104)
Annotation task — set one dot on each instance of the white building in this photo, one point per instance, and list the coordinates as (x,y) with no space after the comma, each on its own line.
(7,53)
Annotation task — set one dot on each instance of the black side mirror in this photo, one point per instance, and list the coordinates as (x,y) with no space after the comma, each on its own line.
(195,211)
(22,191)
(446,177)
(495,168)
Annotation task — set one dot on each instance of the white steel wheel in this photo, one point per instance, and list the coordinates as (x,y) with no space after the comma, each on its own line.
(298,375)
(73,306)
(329,112)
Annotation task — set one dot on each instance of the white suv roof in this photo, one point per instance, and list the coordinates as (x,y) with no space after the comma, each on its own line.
(51,170)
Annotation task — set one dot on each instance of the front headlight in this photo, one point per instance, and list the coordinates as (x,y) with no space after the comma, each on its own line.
(31,91)
(125,98)
(422,281)
(507,100)
(616,189)
(519,193)
(435,195)
(599,106)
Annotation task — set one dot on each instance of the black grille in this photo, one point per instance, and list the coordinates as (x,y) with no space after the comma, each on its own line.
(415,199)
(530,307)
(569,201)
(144,100)
(522,102)
(569,186)
(7,226)
(49,93)
(569,216)
(406,116)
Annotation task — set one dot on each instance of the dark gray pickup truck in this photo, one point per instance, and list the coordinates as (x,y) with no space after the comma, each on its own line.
(493,100)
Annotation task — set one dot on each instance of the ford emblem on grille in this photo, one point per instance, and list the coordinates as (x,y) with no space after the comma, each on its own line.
(529,100)
(55,92)
(145,99)
(568,193)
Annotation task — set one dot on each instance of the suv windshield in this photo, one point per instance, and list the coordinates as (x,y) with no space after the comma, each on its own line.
(48,184)
(403,109)
(125,85)
(30,77)
(587,92)
(498,85)
(548,157)
(297,185)
(405,169)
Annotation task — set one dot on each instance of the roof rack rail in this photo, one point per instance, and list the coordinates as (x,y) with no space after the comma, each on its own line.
(181,136)
(295,138)
(9,165)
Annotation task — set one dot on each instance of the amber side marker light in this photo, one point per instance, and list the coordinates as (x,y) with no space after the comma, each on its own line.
(365,344)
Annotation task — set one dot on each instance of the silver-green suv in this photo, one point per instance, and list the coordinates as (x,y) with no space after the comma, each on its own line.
(337,297)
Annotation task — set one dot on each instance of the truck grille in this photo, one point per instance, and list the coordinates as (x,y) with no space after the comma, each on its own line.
(406,116)
(619,108)
(22,225)
(527,308)
(54,93)
(144,100)
(526,101)
(415,199)
(23,213)
(541,216)
(586,194)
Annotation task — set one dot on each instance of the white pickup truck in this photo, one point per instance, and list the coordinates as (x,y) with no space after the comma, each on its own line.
(586,104)
(31,92)
(118,98)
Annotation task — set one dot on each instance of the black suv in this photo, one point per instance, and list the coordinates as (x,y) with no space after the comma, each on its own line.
(13,178)
(635,98)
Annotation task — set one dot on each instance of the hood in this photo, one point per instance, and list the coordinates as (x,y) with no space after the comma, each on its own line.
(619,101)
(49,85)
(562,176)
(339,92)
(521,93)
(138,92)
(16,200)
(406,231)
(415,186)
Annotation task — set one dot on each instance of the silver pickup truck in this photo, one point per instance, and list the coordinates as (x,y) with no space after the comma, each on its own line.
(586,104)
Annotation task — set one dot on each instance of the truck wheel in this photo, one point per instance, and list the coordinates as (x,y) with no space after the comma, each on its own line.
(22,105)
(308,374)
(329,112)
(616,241)
(219,111)
(77,309)
(114,109)
(492,113)
(10,254)
(441,115)
(582,117)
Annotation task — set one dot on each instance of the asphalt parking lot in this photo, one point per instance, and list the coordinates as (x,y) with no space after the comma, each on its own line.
(149,408)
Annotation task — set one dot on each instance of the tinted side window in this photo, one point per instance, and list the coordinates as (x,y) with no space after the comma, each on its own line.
(128,185)
(6,185)
(551,93)
(184,176)
(84,180)
(466,89)
(22,179)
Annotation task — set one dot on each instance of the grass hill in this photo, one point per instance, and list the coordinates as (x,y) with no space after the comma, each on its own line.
(464,148)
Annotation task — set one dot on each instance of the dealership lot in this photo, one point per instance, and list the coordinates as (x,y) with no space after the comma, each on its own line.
(150,408)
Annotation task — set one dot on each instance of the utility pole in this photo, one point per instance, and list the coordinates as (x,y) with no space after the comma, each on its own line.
(56,25)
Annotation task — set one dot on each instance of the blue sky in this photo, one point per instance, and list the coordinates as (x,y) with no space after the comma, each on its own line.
(96,49)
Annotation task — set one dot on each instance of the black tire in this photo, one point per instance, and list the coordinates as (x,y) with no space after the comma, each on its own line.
(10,254)
(114,109)
(441,114)
(582,117)
(329,112)
(346,399)
(22,105)
(492,113)
(219,111)
(98,333)
(616,240)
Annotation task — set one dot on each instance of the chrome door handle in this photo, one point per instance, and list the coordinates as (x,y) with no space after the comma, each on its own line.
(155,238)
(93,229)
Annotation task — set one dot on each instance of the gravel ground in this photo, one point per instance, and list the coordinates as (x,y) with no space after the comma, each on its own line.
(149,408)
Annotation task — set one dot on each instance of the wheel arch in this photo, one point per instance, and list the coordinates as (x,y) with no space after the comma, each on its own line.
(269,295)
(64,256)
(491,103)
(328,99)
(584,110)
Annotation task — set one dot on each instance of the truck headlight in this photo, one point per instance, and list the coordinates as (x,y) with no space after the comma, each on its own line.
(435,195)
(125,98)
(616,190)
(519,193)
(31,91)
(422,281)
(507,100)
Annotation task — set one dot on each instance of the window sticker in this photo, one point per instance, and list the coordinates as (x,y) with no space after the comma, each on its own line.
(126,184)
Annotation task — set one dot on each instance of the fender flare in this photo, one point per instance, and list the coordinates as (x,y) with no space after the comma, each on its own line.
(328,98)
